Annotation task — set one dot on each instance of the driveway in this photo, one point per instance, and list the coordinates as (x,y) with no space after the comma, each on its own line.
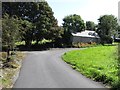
(46,69)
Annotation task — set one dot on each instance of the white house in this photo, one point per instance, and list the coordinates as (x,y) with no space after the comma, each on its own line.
(85,37)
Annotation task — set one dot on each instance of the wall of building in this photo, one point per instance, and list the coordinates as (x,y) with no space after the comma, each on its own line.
(77,39)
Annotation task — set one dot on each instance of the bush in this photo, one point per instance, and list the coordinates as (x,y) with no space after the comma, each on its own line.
(4,47)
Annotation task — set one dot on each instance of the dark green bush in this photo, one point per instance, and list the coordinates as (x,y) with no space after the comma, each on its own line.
(4,47)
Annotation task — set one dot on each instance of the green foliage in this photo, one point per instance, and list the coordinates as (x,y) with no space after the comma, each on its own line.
(98,63)
(107,28)
(27,30)
(90,25)
(10,30)
(21,9)
(46,26)
(38,20)
(72,23)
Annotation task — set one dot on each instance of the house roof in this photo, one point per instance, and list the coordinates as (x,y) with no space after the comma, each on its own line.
(86,33)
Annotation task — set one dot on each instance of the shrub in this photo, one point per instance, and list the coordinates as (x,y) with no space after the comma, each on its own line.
(4,47)
(83,45)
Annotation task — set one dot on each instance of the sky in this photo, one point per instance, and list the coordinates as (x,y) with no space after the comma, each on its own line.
(89,10)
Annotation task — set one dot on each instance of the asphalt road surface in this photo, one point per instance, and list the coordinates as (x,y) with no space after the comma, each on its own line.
(46,69)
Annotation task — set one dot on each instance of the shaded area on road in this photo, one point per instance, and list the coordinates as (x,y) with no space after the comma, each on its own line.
(40,47)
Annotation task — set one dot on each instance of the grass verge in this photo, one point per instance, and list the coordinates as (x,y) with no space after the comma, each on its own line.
(8,73)
(98,63)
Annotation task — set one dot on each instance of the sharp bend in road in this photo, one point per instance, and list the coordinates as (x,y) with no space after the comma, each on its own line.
(45,69)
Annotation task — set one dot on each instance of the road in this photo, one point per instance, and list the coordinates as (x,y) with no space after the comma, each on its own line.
(45,69)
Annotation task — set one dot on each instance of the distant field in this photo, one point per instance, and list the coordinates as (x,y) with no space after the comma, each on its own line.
(98,63)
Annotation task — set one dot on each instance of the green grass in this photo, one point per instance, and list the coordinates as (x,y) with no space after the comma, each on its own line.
(98,63)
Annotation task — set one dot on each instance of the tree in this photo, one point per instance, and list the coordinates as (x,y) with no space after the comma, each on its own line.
(27,32)
(90,25)
(46,26)
(107,28)
(39,14)
(10,32)
(72,23)
(24,10)
(58,39)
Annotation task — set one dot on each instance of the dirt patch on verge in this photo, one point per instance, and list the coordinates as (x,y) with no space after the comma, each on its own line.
(10,71)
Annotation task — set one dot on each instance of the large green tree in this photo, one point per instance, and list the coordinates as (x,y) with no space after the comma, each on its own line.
(107,28)
(47,25)
(10,31)
(24,10)
(72,23)
(90,25)
(39,14)
(28,12)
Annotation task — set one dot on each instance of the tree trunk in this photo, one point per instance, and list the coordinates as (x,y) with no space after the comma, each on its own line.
(28,43)
(37,42)
(8,54)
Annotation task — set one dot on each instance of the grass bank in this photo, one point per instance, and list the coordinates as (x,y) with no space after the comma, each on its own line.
(98,63)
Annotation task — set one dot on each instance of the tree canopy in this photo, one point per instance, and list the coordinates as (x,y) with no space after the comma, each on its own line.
(90,25)
(73,23)
(38,20)
(27,31)
(10,30)
(107,28)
